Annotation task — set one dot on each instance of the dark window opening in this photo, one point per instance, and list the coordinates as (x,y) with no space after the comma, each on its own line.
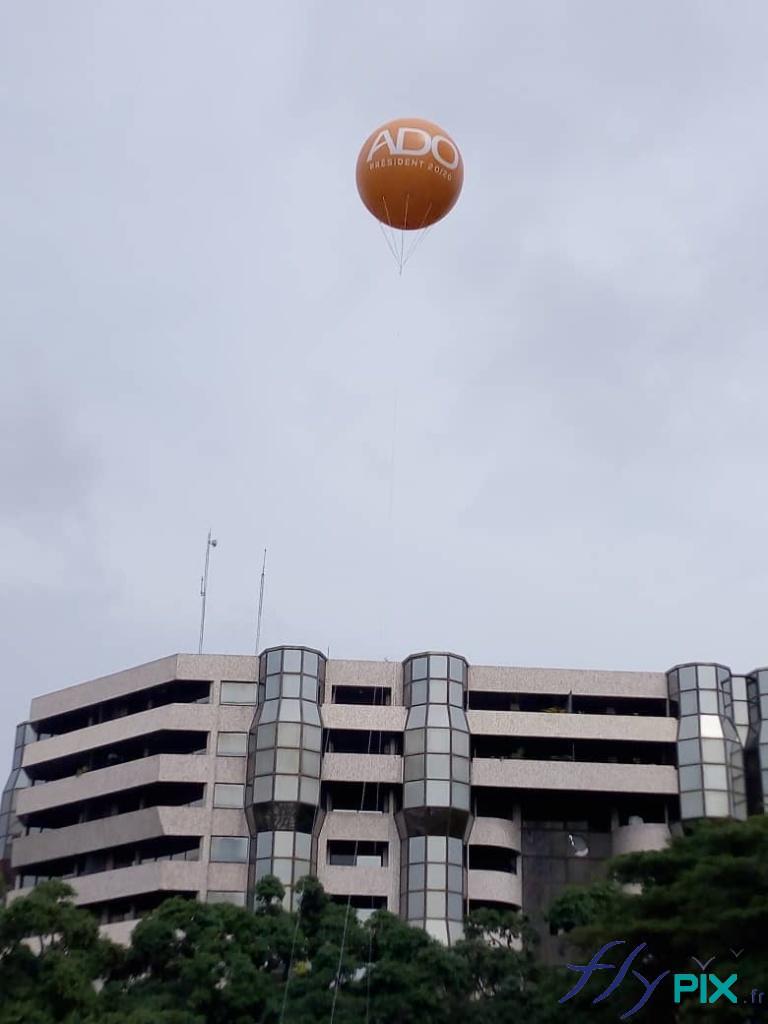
(559,703)
(356,796)
(371,695)
(509,908)
(168,741)
(160,794)
(594,751)
(177,691)
(132,907)
(151,850)
(362,741)
(491,858)
(350,853)
(362,902)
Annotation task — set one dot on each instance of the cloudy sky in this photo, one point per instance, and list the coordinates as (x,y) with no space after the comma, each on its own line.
(545,444)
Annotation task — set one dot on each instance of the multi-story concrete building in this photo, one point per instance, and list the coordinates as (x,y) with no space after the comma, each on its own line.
(429,787)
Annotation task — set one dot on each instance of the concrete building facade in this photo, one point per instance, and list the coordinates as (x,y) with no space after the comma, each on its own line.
(429,787)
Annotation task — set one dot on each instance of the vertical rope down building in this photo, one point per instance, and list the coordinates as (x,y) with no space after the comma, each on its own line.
(429,788)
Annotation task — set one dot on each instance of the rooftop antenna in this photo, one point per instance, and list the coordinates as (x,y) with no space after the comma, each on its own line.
(210,543)
(261,602)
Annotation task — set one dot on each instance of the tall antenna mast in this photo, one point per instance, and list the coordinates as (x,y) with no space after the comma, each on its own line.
(261,602)
(204,588)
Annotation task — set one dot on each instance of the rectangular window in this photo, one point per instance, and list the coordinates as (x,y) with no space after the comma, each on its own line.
(232,744)
(351,853)
(238,693)
(228,794)
(229,849)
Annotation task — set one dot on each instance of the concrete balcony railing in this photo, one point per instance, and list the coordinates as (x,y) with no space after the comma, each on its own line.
(574,775)
(142,772)
(103,833)
(198,717)
(497,886)
(165,876)
(540,724)
(362,768)
(364,717)
(643,836)
(349,825)
(356,881)
(495,832)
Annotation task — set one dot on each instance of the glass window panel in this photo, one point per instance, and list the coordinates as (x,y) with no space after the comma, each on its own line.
(455,906)
(416,876)
(289,734)
(413,794)
(290,711)
(688,678)
(688,752)
(439,716)
(418,693)
(311,738)
(308,688)
(301,868)
(688,703)
(264,844)
(436,904)
(310,790)
(414,741)
(413,767)
(436,876)
(269,711)
(232,743)
(417,717)
(461,795)
(264,762)
(438,741)
(458,719)
(417,848)
(690,777)
(455,931)
(291,686)
(455,878)
(437,848)
(460,769)
(688,727)
(274,659)
(272,688)
(457,669)
(456,691)
(291,660)
(438,666)
(288,761)
(707,677)
(228,794)
(229,849)
(717,804)
(310,663)
(262,789)
(419,668)
(711,726)
(310,713)
(438,766)
(282,867)
(455,850)
(715,776)
(266,736)
(461,743)
(415,905)
(437,929)
(286,787)
(708,702)
(238,693)
(438,691)
(310,763)
(691,805)
(283,844)
(303,845)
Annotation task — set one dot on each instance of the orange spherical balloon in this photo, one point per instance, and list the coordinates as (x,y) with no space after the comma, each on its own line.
(409,173)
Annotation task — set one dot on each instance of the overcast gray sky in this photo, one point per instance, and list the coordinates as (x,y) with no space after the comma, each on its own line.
(201,325)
